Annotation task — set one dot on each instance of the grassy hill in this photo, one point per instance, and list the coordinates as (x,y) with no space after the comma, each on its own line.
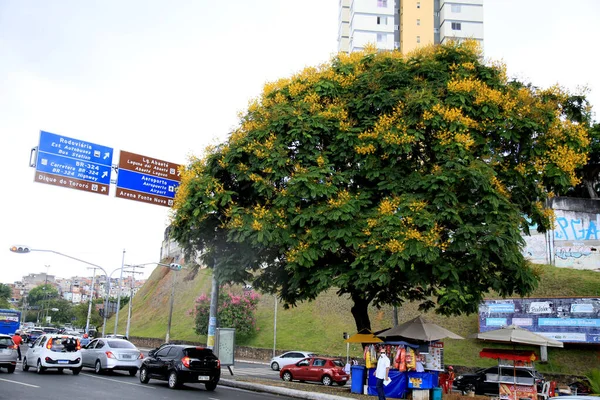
(318,326)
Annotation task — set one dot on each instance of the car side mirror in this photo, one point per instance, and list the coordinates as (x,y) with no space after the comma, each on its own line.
(31,345)
(151,353)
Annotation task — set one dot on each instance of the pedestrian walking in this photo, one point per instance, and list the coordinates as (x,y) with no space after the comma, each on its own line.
(382,372)
(18,340)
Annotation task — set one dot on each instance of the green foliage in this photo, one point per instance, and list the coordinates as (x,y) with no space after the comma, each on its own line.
(80,312)
(5,292)
(391,178)
(41,294)
(235,311)
(594,378)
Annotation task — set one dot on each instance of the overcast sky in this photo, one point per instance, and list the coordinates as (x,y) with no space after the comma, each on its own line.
(166,78)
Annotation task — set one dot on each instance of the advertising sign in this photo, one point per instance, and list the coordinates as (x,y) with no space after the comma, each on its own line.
(225,346)
(147,179)
(569,320)
(73,163)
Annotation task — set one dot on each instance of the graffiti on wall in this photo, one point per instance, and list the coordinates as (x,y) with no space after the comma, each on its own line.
(575,229)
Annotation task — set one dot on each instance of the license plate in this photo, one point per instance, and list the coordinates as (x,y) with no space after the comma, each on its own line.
(127,356)
(203,378)
(63,361)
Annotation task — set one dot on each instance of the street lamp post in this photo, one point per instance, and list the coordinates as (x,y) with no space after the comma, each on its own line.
(119,292)
(131,296)
(26,249)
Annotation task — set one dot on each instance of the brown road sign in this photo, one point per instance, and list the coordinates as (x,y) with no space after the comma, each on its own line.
(149,166)
(72,183)
(144,197)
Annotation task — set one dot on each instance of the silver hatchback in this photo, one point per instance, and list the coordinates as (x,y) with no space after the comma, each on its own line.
(8,353)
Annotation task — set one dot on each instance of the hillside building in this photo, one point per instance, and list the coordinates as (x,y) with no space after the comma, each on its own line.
(407,24)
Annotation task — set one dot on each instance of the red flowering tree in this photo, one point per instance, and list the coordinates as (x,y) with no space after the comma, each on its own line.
(235,311)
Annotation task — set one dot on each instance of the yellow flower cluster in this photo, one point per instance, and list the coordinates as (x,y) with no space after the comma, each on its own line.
(453,114)
(482,92)
(257,225)
(242,167)
(395,246)
(388,206)
(499,186)
(367,149)
(320,161)
(417,205)
(255,177)
(271,87)
(235,222)
(342,198)
(292,254)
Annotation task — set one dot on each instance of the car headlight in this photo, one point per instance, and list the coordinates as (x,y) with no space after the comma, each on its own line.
(459,378)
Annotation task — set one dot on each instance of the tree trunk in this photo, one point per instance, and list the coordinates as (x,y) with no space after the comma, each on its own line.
(590,188)
(360,312)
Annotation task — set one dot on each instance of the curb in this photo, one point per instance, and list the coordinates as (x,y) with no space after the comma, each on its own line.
(299,394)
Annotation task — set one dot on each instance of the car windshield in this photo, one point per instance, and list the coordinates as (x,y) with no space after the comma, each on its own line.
(5,342)
(198,353)
(120,344)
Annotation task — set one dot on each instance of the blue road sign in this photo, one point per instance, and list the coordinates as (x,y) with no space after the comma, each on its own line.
(73,163)
(147,183)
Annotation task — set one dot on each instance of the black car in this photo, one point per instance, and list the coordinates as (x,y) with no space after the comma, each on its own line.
(178,364)
(487,380)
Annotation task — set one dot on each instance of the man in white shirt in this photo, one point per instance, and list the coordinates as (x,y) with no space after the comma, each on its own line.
(382,372)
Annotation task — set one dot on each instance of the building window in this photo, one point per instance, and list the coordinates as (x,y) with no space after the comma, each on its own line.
(381,3)
(381,20)
(455,8)
(418,22)
(418,4)
(456,26)
(418,39)
(381,38)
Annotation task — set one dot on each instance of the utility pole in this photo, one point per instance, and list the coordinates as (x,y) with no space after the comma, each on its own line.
(131,296)
(168,336)
(46,295)
(119,292)
(89,314)
(214,301)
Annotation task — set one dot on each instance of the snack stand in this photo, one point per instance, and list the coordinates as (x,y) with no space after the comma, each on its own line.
(511,386)
(414,368)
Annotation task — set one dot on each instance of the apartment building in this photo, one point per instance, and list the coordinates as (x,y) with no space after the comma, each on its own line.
(407,24)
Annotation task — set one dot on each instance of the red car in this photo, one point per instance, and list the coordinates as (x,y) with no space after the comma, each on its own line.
(316,369)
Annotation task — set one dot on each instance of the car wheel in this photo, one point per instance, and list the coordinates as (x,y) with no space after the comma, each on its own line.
(25,367)
(40,369)
(173,380)
(132,372)
(11,368)
(210,386)
(275,366)
(76,371)
(469,388)
(326,380)
(144,375)
(287,376)
(98,367)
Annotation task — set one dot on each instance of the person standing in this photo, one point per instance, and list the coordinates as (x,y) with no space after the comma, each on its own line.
(382,372)
(18,340)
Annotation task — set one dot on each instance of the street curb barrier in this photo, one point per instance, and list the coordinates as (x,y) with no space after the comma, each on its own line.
(299,394)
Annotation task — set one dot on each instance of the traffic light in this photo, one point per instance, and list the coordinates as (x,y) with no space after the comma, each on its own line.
(175,267)
(20,249)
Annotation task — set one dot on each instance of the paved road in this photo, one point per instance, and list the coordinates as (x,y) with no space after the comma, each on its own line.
(89,386)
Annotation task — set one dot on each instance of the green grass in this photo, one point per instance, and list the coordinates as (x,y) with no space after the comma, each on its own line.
(319,325)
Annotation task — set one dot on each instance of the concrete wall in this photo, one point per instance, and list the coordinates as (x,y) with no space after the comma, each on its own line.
(575,240)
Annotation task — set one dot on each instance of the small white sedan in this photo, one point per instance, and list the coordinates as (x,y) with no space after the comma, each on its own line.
(112,354)
(54,351)
(291,357)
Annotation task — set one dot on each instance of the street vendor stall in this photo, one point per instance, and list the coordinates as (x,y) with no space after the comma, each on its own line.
(512,385)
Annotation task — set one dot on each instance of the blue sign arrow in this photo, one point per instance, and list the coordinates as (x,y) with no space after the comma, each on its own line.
(68,167)
(149,184)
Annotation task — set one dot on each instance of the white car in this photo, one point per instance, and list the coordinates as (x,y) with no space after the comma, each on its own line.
(112,354)
(291,357)
(54,351)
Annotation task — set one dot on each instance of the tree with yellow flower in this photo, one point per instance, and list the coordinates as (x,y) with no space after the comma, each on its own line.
(390,177)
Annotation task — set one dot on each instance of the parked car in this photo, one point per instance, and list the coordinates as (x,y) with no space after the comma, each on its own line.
(8,353)
(54,351)
(112,354)
(178,364)
(290,357)
(478,383)
(316,369)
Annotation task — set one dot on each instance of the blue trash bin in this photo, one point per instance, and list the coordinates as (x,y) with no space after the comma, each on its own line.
(357,376)
(436,393)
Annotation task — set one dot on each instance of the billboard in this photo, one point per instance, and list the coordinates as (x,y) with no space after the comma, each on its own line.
(569,319)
